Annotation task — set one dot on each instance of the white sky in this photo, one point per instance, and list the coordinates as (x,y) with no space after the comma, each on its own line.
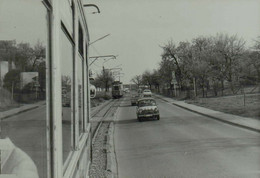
(138,27)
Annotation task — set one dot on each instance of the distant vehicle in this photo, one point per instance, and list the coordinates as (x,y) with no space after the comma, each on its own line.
(126,90)
(134,99)
(147,108)
(93,91)
(140,91)
(66,97)
(146,96)
(147,93)
(117,89)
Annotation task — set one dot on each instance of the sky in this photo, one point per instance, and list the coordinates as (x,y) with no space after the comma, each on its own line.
(137,28)
(18,23)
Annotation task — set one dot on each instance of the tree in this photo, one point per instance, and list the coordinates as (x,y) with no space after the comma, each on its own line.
(137,79)
(147,78)
(7,52)
(201,49)
(254,59)
(23,56)
(12,80)
(230,49)
(156,82)
(105,78)
(38,56)
(169,56)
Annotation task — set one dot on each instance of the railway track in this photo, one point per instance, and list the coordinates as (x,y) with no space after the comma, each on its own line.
(99,115)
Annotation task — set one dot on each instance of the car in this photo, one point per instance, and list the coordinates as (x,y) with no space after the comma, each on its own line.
(134,100)
(147,108)
(146,95)
(66,99)
(147,92)
(126,90)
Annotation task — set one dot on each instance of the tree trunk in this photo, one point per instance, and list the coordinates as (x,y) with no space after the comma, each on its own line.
(222,87)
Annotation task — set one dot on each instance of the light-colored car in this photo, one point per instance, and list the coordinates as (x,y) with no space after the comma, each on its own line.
(147,92)
(126,90)
(134,99)
(147,108)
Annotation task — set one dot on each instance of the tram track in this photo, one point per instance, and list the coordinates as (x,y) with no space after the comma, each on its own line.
(99,116)
(100,124)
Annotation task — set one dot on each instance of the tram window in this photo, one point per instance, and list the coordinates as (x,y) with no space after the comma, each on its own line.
(66,65)
(23,62)
(80,94)
(80,40)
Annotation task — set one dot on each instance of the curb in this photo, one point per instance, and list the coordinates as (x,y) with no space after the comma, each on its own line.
(214,117)
(111,154)
(111,157)
(13,114)
(219,119)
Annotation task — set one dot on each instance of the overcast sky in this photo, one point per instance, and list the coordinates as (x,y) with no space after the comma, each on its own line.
(138,27)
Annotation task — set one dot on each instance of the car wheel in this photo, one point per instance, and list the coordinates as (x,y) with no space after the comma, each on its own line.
(158,117)
(139,119)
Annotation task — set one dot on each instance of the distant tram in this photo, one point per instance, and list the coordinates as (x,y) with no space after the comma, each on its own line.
(117,89)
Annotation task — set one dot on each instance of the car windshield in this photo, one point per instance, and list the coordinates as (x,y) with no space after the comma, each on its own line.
(147,91)
(146,103)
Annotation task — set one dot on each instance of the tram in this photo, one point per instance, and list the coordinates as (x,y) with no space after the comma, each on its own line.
(48,130)
(117,89)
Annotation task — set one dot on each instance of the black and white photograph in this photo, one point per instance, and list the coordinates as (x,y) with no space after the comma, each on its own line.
(129,89)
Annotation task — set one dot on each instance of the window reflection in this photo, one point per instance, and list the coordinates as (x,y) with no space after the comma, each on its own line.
(23,43)
(66,85)
(80,94)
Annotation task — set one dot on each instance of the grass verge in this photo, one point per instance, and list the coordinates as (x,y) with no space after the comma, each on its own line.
(248,106)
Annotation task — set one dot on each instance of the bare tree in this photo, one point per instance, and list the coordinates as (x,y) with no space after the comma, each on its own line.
(230,49)
(137,79)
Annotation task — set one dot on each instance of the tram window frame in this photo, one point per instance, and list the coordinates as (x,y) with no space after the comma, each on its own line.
(87,120)
(55,163)
(80,39)
(73,129)
(81,60)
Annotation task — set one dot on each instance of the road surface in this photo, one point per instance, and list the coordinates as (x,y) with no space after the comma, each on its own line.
(183,144)
(27,130)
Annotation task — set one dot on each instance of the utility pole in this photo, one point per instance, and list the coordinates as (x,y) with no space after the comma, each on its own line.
(194,85)
(12,91)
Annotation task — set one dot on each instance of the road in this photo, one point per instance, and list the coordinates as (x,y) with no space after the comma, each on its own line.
(183,144)
(27,131)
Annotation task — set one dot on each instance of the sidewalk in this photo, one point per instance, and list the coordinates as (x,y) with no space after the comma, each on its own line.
(243,122)
(28,107)
(23,108)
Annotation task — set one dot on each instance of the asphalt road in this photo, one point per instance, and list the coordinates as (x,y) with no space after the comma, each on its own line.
(27,131)
(183,144)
